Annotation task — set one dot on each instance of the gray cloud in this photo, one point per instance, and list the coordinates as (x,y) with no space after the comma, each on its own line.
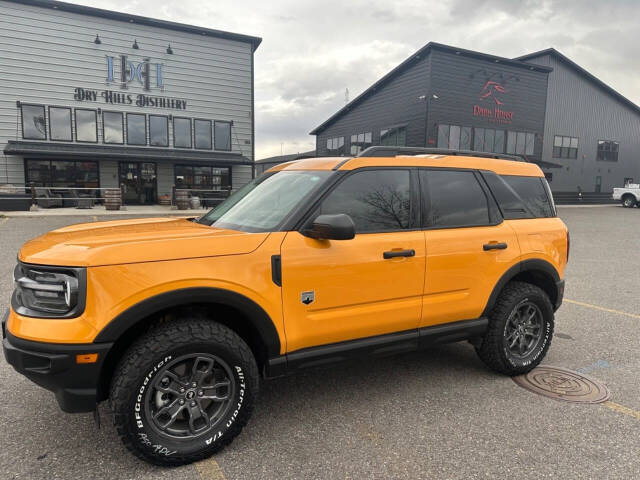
(313,51)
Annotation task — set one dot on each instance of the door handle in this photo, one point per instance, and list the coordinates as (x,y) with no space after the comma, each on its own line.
(494,246)
(399,253)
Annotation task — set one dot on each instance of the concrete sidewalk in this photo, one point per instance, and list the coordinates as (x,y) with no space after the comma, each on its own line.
(99,210)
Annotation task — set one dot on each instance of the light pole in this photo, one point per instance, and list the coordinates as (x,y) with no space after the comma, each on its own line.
(428,99)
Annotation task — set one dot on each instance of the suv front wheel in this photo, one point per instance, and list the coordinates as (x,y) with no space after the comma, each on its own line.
(520,330)
(183,391)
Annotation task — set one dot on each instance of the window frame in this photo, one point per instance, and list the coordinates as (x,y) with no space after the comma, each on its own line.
(146,129)
(191,133)
(60,107)
(75,123)
(122,120)
(303,217)
(210,132)
(166,118)
(28,180)
(569,148)
(215,146)
(44,114)
(337,152)
(395,129)
(495,214)
(605,152)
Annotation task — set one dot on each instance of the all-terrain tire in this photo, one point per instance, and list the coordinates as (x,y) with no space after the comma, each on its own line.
(144,367)
(493,349)
(628,201)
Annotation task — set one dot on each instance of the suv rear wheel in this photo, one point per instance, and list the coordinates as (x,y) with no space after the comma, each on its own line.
(520,330)
(183,391)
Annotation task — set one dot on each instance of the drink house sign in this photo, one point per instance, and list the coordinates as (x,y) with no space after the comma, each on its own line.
(132,73)
(490,103)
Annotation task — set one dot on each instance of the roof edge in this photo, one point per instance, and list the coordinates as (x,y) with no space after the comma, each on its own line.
(139,19)
(563,58)
(417,56)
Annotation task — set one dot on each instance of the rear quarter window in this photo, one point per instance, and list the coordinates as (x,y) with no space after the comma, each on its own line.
(521,197)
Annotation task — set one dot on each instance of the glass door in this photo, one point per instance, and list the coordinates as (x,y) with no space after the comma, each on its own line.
(139,180)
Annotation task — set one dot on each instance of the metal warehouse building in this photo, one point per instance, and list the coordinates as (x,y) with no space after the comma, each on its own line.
(94,98)
(584,135)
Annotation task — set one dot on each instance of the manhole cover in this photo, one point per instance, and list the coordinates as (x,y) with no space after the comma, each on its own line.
(562,384)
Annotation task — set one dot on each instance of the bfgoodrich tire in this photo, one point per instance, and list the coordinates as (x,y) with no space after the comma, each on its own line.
(520,330)
(183,391)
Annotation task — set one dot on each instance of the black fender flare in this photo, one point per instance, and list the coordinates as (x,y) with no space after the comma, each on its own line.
(254,313)
(532,265)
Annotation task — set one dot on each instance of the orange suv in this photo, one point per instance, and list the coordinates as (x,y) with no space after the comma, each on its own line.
(174,321)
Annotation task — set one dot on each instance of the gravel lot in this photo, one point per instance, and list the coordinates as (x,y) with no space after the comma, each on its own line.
(433,414)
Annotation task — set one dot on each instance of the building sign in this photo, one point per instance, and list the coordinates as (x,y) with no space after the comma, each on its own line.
(138,72)
(493,95)
(121,98)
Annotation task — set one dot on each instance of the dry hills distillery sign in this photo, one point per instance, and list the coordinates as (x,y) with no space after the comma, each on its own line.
(491,98)
(125,74)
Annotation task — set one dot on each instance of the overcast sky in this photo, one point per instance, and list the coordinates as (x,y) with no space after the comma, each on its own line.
(313,50)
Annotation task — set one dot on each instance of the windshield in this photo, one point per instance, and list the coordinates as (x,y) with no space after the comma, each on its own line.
(262,205)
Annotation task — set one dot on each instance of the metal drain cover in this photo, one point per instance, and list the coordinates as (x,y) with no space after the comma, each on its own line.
(562,384)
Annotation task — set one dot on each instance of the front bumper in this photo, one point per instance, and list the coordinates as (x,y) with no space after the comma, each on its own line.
(54,367)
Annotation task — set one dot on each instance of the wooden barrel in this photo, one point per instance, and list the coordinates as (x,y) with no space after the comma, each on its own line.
(182,199)
(112,200)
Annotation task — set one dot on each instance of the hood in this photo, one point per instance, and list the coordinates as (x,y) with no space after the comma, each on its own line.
(136,240)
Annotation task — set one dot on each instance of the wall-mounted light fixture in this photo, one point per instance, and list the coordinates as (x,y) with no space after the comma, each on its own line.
(169,50)
(135,44)
(97,40)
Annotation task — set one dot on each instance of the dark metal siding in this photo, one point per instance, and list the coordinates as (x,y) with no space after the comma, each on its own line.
(395,103)
(458,81)
(576,107)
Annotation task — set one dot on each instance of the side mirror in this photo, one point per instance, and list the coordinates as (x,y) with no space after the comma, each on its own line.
(332,227)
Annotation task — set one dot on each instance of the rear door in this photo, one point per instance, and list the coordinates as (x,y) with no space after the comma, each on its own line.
(469,246)
(337,290)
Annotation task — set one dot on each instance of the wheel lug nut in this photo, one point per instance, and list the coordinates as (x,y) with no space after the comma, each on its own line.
(194,384)
(181,390)
(200,393)
(181,401)
(193,404)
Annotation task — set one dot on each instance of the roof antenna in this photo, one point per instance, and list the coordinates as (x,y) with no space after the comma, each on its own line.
(346,96)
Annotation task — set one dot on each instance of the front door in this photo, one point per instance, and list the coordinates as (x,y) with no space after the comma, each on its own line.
(337,290)
(140,182)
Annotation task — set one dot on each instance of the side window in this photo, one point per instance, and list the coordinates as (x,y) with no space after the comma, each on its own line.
(533,193)
(510,203)
(376,200)
(453,198)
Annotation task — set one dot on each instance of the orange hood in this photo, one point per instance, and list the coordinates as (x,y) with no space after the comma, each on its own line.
(133,241)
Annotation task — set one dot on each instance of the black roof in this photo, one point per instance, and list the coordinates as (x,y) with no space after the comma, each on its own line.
(413,59)
(564,59)
(129,18)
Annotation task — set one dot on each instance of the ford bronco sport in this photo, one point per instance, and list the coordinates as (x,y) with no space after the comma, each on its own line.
(174,320)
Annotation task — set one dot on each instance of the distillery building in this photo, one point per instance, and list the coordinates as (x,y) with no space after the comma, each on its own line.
(95,98)
(544,107)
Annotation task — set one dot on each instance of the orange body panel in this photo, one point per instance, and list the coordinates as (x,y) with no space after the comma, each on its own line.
(357,292)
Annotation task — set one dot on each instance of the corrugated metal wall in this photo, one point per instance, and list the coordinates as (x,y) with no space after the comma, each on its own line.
(576,107)
(396,103)
(47,53)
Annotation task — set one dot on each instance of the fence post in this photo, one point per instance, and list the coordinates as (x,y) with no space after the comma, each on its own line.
(122,195)
(173,195)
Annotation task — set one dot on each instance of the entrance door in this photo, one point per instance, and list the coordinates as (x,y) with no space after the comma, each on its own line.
(140,182)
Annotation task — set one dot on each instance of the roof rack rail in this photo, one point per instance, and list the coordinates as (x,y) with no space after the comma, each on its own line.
(390,151)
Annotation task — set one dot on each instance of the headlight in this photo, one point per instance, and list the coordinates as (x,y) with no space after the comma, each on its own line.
(52,292)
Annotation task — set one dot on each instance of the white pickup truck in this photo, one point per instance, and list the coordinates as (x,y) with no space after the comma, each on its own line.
(629,195)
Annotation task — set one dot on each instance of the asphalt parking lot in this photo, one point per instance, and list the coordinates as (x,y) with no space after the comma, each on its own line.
(433,414)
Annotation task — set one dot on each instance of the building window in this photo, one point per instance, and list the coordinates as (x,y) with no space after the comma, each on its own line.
(222,135)
(395,136)
(203,134)
(565,147)
(454,137)
(113,127)
(60,123)
(34,125)
(359,142)
(158,131)
(62,173)
(488,140)
(335,146)
(520,143)
(608,150)
(136,129)
(86,125)
(201,177)
(182,132)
